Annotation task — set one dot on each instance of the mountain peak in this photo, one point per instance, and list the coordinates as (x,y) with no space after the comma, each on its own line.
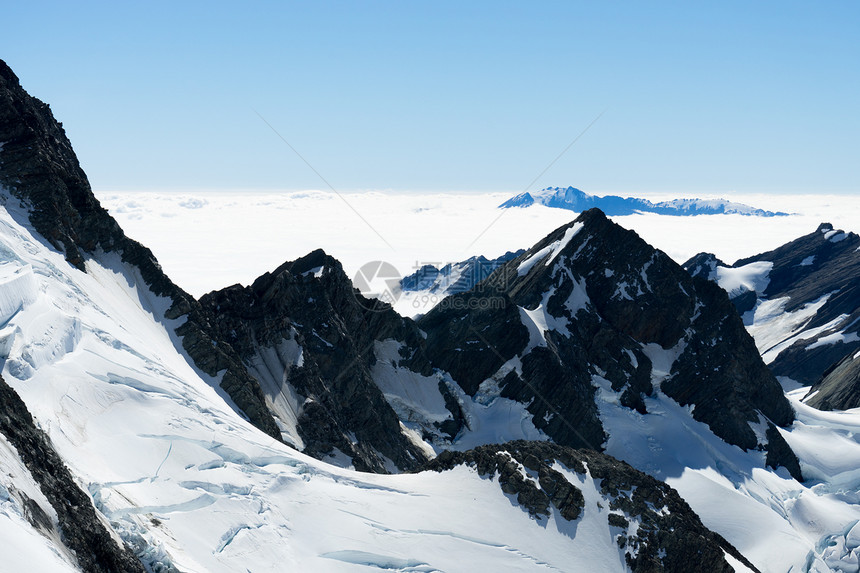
(590,304)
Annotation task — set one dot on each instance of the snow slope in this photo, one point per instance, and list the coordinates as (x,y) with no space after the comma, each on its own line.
(192,486)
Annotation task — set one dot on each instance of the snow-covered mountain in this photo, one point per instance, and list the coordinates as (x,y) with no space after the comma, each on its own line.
(592,313)
(148,404)
(573,199)
(801,301)
(427,286)
(181,421)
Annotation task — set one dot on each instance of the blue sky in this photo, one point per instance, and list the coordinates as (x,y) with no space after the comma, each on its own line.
(718,97)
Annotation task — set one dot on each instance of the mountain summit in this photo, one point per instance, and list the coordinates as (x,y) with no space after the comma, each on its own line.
(593,314)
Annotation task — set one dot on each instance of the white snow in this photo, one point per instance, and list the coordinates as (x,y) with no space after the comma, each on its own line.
(171,464)
(834,338)
(750,277)
(539,321)
(771,326)
(807,261)
(492,419)
(549,252)
(773,520)
(155,440)
(271,367)
(805,334)
(835,236)
(414,397)
(315,272)
(662,359)
(24,547)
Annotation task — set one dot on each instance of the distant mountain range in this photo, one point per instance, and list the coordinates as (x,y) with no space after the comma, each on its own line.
(573,199)
(457,277)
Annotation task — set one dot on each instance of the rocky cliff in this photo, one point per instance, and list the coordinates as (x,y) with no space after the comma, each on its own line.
(38,167)
(593,303)
(78,525)
(653,527)
(311,339)
(802,300)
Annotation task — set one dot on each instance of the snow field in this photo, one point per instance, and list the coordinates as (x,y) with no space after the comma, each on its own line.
(188,482)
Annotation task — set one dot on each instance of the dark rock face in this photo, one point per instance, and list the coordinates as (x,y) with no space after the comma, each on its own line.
(825,263)
(586,302)
(839,387)
(312,303)
(39,168)
(721,373)
(80,528)
(669,536)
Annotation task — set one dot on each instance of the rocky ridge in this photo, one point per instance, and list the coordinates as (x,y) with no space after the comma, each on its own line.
(78,525)
(839,386)
(454,278)
(311,340)
(593,304)
(653,527)
(38,167)
(814,281)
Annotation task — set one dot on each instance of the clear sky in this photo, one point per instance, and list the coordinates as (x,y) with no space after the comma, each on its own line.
(717,97)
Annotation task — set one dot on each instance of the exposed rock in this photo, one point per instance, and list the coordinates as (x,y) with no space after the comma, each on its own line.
(822,264)
(667,536)
(311,305)
(839,387)
(39,168)
(585,303)
(80,528)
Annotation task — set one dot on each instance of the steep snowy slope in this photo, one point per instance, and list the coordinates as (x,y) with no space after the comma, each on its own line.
(193,487)
(144,401)
(39,168)
(801,301)
(143,397)
(48,522)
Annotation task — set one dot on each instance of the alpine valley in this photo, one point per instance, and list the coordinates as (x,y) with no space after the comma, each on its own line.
(583,404)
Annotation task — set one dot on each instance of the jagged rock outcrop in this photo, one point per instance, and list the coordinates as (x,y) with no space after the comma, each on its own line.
(592,301)
(801,300)
(79,526)
(311,338)
(651,524)
(839,387)
(38,167)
